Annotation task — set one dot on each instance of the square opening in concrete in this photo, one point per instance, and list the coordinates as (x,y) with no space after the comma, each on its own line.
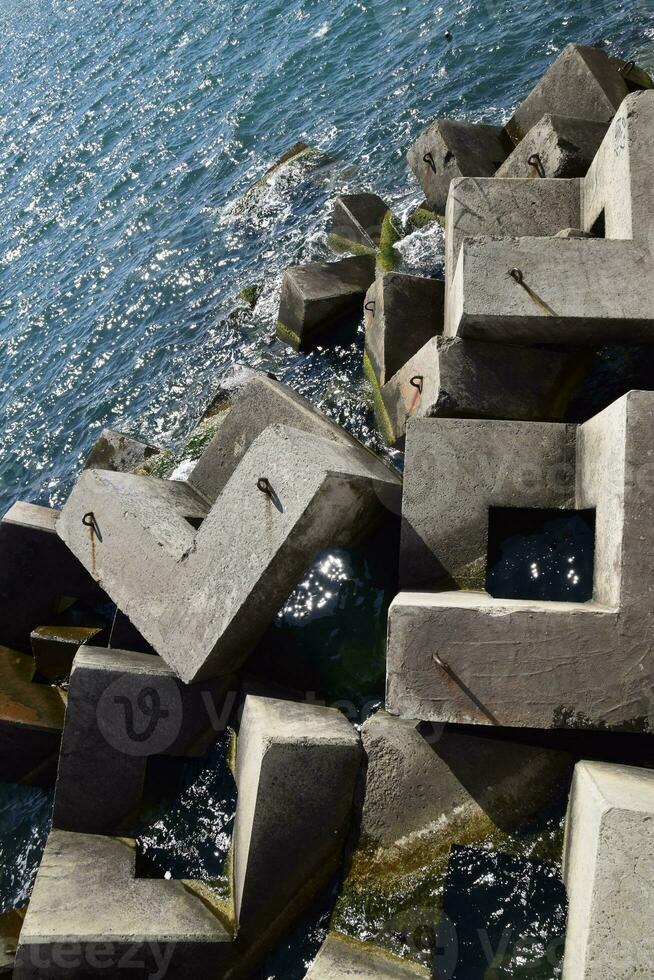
(544,554)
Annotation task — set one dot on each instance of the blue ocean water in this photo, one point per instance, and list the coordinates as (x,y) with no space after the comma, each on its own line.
(129,130)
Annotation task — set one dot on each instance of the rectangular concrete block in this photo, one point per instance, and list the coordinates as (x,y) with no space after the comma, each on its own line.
(341,957)
(120,453)
(357,221)
(296,768)
(89,915)
(451,148)
(201,583)
(557,146)
(582,82)
(609,873)
(317,295)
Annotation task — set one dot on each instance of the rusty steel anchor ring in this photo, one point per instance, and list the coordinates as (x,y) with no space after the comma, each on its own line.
(416,382)
(429,159)
(263,484)
(536,164)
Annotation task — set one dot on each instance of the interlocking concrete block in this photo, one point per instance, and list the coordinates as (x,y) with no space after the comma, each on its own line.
(466,657)
(120,453)
(403,313)
(471,379)
(89,915)
(36,570)
(318,295)
(31,720)
(448,149)
(123,707)
(575,291)
(582,82)
(357,221)
(202,583)
(54,647)
(557,146)
(609,873)
(341,957)
(296,769)
(249,402)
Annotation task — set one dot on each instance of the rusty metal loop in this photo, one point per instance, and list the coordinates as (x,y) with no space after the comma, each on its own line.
(428,158)
(416,382)
(89,520)
(370,303)
(263,484)
(517,275)
(536,162)
(627,68)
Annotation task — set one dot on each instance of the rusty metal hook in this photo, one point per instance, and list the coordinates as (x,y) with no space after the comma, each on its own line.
(536,163)
(263,484)
(416,382)
(429,158)
(627,68)
(370,303)
(89,521)
(517,275)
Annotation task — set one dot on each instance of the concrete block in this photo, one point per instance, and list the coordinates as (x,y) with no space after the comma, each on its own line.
(576,291)
(10,925)
(582,82)
(123,707)
(36,570)
(465,657)
(201,583)
(470,379)
(609,873)
(403,312)
(89,915)
(247,403)
(341,957)
(635,76)
(450,148)
(296,769)
(31,719)
(318,295)
(54,647)
(357,221)
(557,146)
(120,453)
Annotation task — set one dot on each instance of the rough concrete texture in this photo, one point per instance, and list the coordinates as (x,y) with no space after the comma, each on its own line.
(249,402)
(317,295)
(557,146)
(402,313)
(36,570)
(357,219)
(341,957)
(89,915)
(119,452)
(578,291)
(418,776)
(296,769)
(203,597)
(31,719)
(609,873)
(123,707)
(472,379)
(466,657)
(582,82)
(54,647)
(448,149)
(507,209)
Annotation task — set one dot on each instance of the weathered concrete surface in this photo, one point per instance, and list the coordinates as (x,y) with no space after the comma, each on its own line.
(31,719)
(472,379)
(296,769)
(341,957)
(54,647)
(36,570)
(203,597)
(576,291)
(317,295)
(609,873)
(90,916)
(250,401)
(357,220)
(495,208)
(120,453)
(122,708)
(455,149)
(582,82)
(469,658)
(557,146)
(402,313)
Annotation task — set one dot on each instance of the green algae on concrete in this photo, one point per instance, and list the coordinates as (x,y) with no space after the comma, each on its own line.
(342,245)
(288,336)
(389,258)
(250,294)
(381,412)
(421,217)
